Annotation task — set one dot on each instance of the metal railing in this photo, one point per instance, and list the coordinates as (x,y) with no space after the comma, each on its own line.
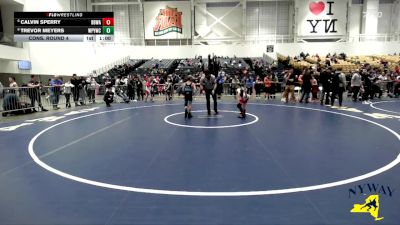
(22,100)
(29,99)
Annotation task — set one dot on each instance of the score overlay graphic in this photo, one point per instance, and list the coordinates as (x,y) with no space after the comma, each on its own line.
(63,26)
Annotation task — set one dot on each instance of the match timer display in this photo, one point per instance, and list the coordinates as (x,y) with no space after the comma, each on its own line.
(63,26)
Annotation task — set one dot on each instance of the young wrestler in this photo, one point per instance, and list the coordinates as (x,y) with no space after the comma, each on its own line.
(188,89)
(242,98)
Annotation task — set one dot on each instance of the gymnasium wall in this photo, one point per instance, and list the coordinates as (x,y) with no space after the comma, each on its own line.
(9,56)
(82,58)
(69,58)
(360,48)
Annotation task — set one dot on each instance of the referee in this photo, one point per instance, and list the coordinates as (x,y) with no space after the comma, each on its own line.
(209,85)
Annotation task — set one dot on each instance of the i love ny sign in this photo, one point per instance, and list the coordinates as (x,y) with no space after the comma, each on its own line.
(322,17)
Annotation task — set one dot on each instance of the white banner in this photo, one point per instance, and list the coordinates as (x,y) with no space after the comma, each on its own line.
(167,20)
(321,18)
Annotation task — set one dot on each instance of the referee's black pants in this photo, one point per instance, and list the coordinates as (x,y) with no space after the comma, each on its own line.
(214,96)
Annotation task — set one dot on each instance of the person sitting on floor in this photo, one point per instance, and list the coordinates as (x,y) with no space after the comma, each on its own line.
(109,95)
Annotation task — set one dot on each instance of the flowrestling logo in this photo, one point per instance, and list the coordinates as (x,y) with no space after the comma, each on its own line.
(168,20)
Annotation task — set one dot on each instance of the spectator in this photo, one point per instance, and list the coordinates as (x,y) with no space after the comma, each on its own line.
(1,90)
(34,93)
(55,91)
(314,89)
(168,89)
(67,93)
(338,87)
(355,85)
(267,86)
(220,84)
(108,95)
(131,89)
(289,88)
(367,85)
(82,90)
(306,86)
(11,103)
(325,80)
(146,91)
(234,85)
(13,85)
(274,83)
(153,87)
(258,86)
(396,91)
(249,85)
(75,89)
(139,88)
(147,82)
(91,89)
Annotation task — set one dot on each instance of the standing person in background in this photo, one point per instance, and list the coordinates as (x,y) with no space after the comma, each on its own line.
(209,85)
(274,83)
(153,87)
(131,89)
(338,87)
(91,89)
(220,84)
(258,86)
(13,85)
(139,88)
(161,85)
(1,90)
(355,85)
(147,83)
(168,89)
(82,90)
(306,86)
(325,80)
(367,85)
(144,87)
(34,93)
(314,89)
(67,93)
(55,90)
(267,86)
(75,90)
(234,85)
(289,88)
(249,85)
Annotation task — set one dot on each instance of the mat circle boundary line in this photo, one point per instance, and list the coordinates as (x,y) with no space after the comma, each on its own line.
(387,167)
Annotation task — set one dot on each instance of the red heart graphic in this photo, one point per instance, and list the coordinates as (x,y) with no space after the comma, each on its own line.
(316,7)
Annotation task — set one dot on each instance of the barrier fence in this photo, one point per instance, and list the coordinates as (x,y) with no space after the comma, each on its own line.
(29,99)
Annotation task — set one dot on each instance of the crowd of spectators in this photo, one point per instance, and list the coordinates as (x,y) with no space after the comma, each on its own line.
(16,100)
(318,83)
(364,83)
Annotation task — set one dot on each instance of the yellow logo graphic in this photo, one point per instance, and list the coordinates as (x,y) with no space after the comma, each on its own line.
(371,206)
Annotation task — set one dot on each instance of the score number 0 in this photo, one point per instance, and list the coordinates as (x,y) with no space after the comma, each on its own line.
(108,21)
(108,25)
